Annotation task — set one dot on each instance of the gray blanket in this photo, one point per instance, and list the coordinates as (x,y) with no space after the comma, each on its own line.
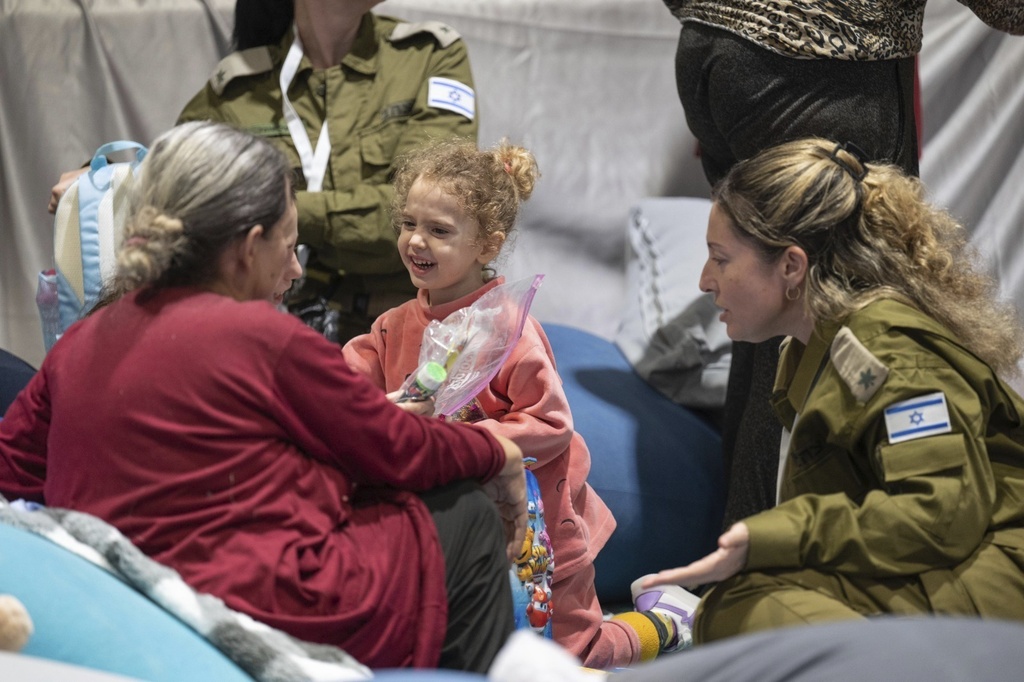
(268,655)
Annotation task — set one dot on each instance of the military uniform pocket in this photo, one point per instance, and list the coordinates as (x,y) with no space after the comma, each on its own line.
(930,472)
(823,471)
(377,147)
(922,457)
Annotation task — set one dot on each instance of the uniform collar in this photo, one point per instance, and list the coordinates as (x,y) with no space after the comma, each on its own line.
(363,57)
(799,367)
(365,50)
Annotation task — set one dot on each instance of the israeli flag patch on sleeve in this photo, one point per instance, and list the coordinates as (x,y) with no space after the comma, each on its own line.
(445,93)
(926,415)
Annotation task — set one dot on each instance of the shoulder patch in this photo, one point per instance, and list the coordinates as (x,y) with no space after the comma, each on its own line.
(442,32)
(445,93)
(244,63)
(863,373)
(925,415)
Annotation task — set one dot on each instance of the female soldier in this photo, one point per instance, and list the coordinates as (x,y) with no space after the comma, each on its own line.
(342,92)
(902,489)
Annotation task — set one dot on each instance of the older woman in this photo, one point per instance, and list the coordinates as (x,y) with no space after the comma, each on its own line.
(902,485)
(233,443)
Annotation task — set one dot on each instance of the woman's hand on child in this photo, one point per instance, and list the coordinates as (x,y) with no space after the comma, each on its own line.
(421,407)
(508,491)
(725,562)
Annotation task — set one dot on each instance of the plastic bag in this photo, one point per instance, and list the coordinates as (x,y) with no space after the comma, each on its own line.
(473,343)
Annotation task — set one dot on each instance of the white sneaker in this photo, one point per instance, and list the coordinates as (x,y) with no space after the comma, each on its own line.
(674,603)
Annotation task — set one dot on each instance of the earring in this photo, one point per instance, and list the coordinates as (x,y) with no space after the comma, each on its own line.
(795,297)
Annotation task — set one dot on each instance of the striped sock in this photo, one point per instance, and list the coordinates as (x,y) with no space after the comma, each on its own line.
(650,632)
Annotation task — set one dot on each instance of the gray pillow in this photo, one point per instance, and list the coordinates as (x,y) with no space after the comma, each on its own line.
(669,330)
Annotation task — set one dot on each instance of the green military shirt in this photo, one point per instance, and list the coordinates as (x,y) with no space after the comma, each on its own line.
(866,495)
(376,104)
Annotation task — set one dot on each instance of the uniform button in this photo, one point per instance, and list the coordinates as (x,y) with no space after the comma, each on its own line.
(321,89)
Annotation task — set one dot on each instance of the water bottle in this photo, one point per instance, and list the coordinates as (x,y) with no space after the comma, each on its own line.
(425,382)
(49,307)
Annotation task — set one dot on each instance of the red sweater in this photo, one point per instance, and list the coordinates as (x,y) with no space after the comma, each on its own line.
(232,443)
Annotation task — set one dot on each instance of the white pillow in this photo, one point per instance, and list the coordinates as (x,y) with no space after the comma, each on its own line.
(669,330)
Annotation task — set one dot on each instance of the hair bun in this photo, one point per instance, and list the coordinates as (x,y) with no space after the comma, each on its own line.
(151,240)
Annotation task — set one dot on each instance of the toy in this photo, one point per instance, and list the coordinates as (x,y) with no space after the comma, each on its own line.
(15,623)
(533,569)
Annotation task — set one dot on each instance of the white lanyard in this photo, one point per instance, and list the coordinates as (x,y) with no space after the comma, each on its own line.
(314,164)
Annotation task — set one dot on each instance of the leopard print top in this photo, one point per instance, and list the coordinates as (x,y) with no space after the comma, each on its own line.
(835,29)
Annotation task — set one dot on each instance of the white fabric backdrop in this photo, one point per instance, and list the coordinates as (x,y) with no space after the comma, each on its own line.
(588,85)
(73,75)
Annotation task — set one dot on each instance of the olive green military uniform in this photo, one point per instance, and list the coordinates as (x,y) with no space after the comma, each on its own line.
(886,506)
(376,104)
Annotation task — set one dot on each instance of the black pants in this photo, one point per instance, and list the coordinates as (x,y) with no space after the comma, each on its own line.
(738,99)
(480,616)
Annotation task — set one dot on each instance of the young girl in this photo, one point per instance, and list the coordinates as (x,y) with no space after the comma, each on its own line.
(454,208)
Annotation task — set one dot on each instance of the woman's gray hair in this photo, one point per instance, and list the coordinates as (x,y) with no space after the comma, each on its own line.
(201,185)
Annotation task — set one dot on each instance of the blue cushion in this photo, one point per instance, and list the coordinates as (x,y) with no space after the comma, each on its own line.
(656,464)
(86,616)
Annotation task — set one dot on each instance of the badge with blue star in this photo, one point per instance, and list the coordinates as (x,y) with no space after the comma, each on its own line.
(926,415)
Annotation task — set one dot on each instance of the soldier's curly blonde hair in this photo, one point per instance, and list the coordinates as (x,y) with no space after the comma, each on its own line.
(869,233)
(489,184)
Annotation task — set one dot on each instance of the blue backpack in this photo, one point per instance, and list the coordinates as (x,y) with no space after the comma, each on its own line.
(88,228)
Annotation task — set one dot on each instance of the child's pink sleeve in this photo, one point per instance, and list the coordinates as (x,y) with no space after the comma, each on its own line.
(363,356)
(537,418)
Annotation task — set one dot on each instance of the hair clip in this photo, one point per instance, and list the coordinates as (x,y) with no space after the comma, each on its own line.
(857,153)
